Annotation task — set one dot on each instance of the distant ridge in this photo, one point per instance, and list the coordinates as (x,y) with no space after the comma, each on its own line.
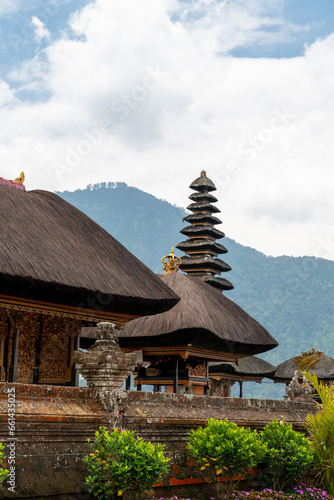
(292,297)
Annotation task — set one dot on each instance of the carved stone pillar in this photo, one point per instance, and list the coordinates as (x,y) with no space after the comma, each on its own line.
(105,367)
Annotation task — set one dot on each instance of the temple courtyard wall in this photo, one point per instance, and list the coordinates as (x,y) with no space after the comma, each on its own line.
(53,424)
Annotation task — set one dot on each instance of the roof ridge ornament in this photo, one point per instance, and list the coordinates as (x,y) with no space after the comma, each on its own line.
(20,179)
(171,265)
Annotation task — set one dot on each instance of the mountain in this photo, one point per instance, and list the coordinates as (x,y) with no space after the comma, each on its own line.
(292,297)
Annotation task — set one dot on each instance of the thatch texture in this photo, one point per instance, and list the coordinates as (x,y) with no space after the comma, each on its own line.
(51,251)
(203,317)
(324,369)
(249,367)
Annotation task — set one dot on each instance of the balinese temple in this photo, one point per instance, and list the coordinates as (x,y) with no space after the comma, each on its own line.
(58,270)
(250,369)
(312,360)
(176,347)
(201,248)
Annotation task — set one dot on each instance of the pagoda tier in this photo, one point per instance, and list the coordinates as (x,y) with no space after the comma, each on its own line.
(203,197)
(216,282)
(195,231)
(201,247)
(197,265)
(203,207)
(195,219)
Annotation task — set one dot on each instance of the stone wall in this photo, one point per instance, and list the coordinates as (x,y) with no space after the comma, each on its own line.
(54,423)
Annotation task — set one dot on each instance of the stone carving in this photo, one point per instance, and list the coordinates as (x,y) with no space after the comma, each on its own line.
(105,367)
(298,390)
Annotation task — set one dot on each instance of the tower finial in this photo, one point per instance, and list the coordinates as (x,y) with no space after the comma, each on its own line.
(203,173)
(171,265)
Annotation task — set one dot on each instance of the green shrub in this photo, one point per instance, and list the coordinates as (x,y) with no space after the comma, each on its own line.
(3,472)
(289,454)
(225,452)
(120,462)
(321,428)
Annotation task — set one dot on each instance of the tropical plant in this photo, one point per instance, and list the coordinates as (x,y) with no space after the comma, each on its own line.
(3,472)
(121,462)
(225,452)
(289,454)
(321,429)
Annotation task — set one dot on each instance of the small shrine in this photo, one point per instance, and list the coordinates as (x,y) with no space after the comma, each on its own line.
(201,248)
(312,360)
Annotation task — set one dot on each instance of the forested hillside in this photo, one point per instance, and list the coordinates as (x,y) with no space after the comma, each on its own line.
(292,297)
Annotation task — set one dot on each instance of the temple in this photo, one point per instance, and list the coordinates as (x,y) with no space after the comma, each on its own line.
(62,275)
(201,248)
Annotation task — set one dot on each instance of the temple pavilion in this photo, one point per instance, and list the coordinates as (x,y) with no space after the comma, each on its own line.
(58,270)
(176,347)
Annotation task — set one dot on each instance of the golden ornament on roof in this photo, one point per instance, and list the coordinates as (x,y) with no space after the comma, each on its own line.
(171,265)
(20,179)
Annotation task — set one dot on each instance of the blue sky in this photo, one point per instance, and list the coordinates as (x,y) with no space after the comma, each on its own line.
(152,92)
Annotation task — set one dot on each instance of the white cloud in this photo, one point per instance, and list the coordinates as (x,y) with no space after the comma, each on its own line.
(41,31)
(9,6)
(140,97)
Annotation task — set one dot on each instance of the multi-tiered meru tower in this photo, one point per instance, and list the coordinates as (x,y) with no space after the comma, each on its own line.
(201,248)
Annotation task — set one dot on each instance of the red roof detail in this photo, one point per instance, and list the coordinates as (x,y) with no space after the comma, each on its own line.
(12,184)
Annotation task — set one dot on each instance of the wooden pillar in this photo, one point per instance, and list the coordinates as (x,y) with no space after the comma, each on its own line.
(139,387)
(35,373)
(75,373)
(127,383)
(4,351)
(13,368)
(240,384)
(176,375)
(206,388)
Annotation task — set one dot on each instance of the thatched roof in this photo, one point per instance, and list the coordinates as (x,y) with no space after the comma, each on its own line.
(51,251)
(203,317)
(249,367)
(324,369)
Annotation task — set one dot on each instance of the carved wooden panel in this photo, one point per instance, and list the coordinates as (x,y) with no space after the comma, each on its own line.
(29,331)
(198,371)
(56,336)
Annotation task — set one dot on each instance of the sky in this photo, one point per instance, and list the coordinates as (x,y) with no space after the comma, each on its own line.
(152,92)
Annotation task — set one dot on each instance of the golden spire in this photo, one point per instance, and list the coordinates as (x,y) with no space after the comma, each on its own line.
(20,179)
(171,265)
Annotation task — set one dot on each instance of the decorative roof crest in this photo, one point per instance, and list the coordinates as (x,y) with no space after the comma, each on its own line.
(171,265)
(20,179)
